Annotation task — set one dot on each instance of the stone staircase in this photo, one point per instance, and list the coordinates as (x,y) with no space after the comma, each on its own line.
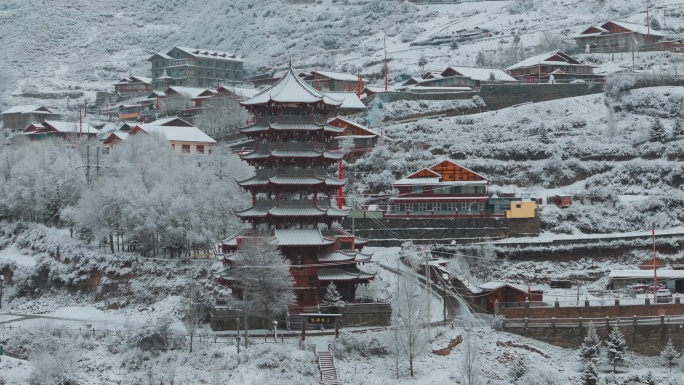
(326,364)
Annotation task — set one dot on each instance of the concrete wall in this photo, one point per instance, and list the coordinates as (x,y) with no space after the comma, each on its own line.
(394,231)
(644,339)
(594,311)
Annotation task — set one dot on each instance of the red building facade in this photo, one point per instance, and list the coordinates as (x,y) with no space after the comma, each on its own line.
(293,198)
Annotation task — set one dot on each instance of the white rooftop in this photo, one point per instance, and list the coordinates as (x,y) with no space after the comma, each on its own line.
(27,109)
(178,133)
(635,274)
(196,52)
(187,91)
(71,127)
(339,76)
(483,74)
(541,59)
(349,99)
(641,29)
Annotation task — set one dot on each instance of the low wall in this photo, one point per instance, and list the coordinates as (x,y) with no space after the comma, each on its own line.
(594,311)
(644,339)
(394,231)
(355,314)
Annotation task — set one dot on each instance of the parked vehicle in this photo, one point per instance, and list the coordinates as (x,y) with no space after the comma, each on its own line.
(663,296)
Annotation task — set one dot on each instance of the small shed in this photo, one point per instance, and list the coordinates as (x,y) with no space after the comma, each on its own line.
(563,201)
(508,294)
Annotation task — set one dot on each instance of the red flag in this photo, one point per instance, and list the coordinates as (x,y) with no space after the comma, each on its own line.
(529,291)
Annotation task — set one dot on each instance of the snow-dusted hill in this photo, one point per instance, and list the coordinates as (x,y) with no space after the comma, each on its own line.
(85,46)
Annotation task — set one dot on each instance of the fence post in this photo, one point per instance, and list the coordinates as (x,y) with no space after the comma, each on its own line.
(662,319)
(579,320)
(607,321)
(553,321)
(527,303)
(586,302)
(647,301)
(557,304)
(677,300)
(526,322)
(634,318)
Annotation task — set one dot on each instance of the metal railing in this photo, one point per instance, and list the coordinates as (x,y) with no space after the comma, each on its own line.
(584,322)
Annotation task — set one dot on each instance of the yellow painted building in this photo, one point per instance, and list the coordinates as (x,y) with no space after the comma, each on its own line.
(522,209)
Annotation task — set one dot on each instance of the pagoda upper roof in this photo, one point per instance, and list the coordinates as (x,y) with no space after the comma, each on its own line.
(348,273)
(291,153)
(289,210)
(290,180)
(291,89)
(291,126)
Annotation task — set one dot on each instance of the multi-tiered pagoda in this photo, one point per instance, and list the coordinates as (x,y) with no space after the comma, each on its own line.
(294,200)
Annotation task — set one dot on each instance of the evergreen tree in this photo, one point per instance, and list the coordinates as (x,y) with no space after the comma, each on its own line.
(591,347)
(616,347)
(422,61)
(332,298)
(669,355)
(655,24)
(677,129)
(480,59)
(657,131)
(590,374)
(519,368)
(611,380)
(454,45)
(649,379)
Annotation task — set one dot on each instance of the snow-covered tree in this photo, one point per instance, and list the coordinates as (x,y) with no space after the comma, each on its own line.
(677,129)
(591,346)
(332,298)
(422,61)
(617,347)
(519,368)
(264,278)
(470,366)
(221,113)
(611,124)
(480,59)
(193,312)
(657,131)
(590,374)
(670,355)
(409,315)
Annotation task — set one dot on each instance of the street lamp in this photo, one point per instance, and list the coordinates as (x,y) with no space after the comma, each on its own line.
(275,331)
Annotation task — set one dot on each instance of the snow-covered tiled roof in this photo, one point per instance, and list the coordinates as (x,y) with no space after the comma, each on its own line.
(163,55)
(339,274)
(543,59)
(120,135)
(301,237)
(343,255)
(646,274)
(291,126)
(241,92)
(640,29)
(304,180)
(483,74)
(290,89)
(284,210)
(71,127)
(291,153)
(493,285)
(187,91)
(27,109)
(203,53)
(339,76)
(349,100)
(177,133)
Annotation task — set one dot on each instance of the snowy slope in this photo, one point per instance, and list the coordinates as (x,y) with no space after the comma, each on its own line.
(82,46)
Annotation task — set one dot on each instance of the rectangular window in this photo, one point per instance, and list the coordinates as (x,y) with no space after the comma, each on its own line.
(422,207)
(200,149)
(518,206)
(186,149)
(345,245)
(417,189)
(409,207)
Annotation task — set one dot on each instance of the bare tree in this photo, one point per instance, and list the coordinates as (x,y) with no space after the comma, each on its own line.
(221,113)
(409,317)
(194,312)
(470,366)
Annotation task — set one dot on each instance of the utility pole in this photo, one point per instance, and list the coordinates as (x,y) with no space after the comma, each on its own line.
(427,286)
(97,164)
(648,23)
(384,43)
(88,165)
(655,270)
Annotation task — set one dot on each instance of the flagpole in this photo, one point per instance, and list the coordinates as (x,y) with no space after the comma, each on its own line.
(655,271)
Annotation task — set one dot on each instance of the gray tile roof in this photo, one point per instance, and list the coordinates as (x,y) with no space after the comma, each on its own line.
(339,274)
(301,237)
